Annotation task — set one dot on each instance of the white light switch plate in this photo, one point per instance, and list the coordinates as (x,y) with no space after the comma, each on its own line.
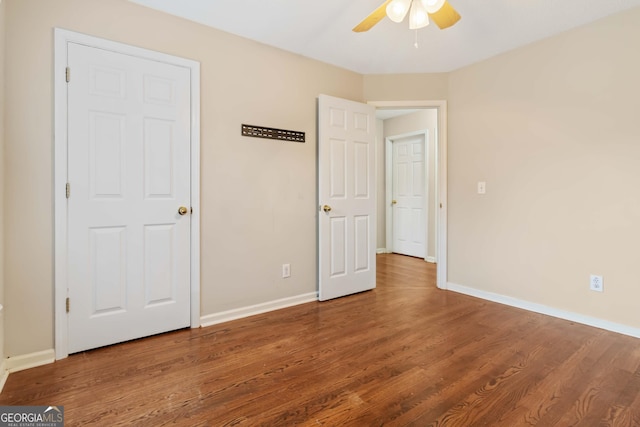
(482,187)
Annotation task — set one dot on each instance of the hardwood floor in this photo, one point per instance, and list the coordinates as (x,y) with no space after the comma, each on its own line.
(404,354)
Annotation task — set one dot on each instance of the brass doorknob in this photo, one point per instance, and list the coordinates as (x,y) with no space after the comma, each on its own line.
(394,202)
(326,208)
(182,210)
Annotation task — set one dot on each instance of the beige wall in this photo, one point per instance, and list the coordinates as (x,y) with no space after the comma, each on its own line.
(554,130)
(426,119)
(258,196)
(2,32)
(406,87)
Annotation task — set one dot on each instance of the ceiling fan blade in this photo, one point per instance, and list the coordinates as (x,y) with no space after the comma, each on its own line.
(373,18)
(445,17)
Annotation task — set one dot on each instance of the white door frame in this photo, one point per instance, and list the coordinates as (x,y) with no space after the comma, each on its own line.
(62,38)
(388,184)
(441,173)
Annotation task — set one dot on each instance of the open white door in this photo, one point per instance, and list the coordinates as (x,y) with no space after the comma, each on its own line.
(347,202)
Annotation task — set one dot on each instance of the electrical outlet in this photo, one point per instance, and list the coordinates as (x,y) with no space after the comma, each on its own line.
(286,270)
(482,187)
(596,283)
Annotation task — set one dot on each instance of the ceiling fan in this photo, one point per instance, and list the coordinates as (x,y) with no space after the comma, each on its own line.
(440,12)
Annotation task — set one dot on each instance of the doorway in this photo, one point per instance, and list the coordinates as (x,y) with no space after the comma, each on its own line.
(440,190)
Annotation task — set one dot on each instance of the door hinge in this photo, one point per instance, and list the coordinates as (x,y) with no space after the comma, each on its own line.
(67,190)
(67,303)
(67,74)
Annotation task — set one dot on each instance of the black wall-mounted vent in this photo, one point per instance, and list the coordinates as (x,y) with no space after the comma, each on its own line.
(271,133)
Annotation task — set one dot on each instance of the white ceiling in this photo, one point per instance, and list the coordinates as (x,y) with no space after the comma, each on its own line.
(321,29)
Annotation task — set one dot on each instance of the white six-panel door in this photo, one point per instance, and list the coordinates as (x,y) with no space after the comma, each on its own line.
(409,196)
(129,173)
(346,178)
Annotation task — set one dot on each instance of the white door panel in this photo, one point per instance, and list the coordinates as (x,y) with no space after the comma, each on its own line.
(409,196)
(129,171)
(346,177)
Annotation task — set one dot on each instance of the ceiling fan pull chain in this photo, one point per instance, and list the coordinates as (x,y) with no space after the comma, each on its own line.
(416,43)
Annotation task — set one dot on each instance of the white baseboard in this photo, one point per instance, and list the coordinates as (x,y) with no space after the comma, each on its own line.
(239,313)
(381,251)
(4,374)
(430,259)
(549,311)
(31,360)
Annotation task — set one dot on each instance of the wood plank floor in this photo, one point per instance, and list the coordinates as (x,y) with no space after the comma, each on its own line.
(405,354)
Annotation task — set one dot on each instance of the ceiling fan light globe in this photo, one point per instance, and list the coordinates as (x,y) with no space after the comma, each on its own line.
(432,6)
(418,17)
(397,10)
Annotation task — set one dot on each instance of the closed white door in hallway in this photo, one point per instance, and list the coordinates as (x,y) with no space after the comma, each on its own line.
(409,195)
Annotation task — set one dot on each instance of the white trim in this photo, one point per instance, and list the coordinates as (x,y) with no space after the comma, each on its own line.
(4,374)
(239,313)
(61,39)
(441,173)
(388,183)
(388,192)
(544,309)
(430,259)
(59,181)
(31,360)
(195,194)
(382,251)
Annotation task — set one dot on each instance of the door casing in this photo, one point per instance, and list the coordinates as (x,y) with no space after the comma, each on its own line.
(61,39)
(441,174)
